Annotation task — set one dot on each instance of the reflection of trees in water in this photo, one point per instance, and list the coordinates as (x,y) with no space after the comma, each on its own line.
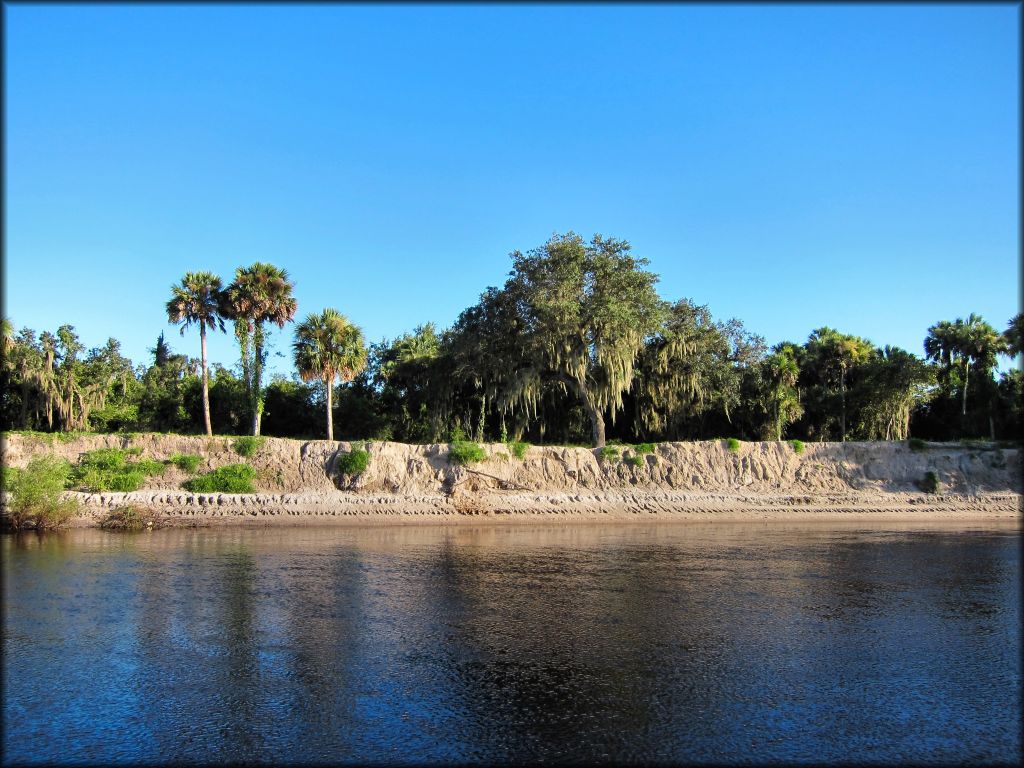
(240,682)
(551,649)
(320,598)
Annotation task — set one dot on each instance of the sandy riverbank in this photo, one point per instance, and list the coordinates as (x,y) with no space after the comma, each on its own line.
(298,483)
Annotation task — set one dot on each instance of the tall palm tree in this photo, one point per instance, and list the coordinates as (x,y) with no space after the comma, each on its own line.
(328,346)
(261,293)
(197,301)
(970,342)
(781,372)
(837,354)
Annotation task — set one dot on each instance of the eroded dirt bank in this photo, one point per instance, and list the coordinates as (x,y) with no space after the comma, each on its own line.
(298,482)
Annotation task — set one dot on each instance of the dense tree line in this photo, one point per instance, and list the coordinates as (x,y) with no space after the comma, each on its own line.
(576,347)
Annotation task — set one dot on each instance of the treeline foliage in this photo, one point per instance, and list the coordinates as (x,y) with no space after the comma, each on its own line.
(575,348)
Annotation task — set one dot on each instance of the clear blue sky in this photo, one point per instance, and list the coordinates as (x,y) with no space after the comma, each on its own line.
(793,166)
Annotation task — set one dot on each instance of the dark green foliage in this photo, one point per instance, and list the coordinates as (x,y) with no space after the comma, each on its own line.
(247,445)
(916,444)
(609,453)
(353,463)
(733,445)
(34,494)
(293,409)
(798,446)
(232,478)
(465,452)
(518,448)
(636,461)
(930,483)
(187,462)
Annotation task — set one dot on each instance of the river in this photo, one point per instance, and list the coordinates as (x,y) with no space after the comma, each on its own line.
(680,643)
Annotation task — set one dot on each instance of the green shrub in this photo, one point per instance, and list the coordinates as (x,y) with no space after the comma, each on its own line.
(103,459)
(643,448)
(125,482)
(465,452)
(231,478)
(916,444)
(149,467)
(636,461)
(798,446)
(247,445)
(609,453)
(107,469)
(353,463)
(930,482)
(187,462)
(518,448)
(35,494)
(127,518)
(733,445)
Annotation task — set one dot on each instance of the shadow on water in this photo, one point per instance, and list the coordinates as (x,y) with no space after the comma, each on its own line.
(579,644)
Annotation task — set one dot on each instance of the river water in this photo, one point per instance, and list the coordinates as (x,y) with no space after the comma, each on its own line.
(682,643)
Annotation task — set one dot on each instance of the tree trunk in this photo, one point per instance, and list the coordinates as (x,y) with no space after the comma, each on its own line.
(24,403)
(596,417)
(330,409)
(596,425)
(842,406)
(257,376)
(967,373)
(206,380)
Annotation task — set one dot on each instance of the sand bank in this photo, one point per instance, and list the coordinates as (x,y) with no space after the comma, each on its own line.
(298,483)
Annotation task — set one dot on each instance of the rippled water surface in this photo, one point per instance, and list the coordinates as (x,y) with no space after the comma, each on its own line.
(678,643)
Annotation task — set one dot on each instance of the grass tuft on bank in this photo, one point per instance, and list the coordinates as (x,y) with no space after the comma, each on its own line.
(231,478)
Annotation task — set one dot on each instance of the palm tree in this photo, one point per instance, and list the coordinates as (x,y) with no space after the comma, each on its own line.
(259,294)
(1013,336)
(971,342)
(781,373)
(197,300)
(328,346)
(838,353)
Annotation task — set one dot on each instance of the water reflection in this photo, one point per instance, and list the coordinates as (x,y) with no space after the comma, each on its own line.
(510,644)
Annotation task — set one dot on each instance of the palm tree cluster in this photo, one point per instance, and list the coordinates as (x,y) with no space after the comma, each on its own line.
(326,346)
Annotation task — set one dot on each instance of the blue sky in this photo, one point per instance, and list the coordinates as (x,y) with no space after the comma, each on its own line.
(792,166)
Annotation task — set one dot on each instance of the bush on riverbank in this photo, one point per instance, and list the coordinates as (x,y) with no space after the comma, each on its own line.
(354,462)
(798,446)
(108,469)
(518,448)
(232,478)
(465,452)
(930,482)
(247,445)
(733,445)
(34,495)
(128,518)
(186,462)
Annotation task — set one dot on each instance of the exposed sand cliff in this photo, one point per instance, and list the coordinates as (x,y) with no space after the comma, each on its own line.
(298,481)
